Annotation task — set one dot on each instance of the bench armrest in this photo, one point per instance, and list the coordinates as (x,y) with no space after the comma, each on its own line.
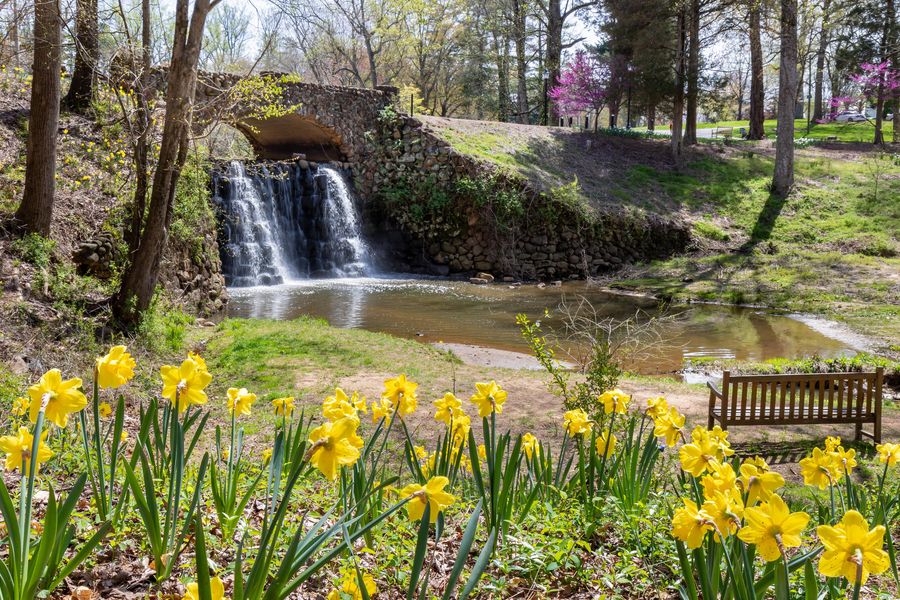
(714,389)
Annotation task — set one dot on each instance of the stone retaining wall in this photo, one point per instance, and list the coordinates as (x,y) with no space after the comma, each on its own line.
(447,208)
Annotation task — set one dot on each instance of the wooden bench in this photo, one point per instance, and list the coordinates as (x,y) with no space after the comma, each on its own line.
(807,399)
(725,132)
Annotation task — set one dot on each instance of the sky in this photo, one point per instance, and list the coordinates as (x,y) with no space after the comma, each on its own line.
(580,28)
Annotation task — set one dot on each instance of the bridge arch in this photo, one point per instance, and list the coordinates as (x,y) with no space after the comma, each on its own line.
(326,123)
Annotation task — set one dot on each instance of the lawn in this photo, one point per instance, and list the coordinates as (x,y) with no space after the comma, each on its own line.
(832,246)
(844,132)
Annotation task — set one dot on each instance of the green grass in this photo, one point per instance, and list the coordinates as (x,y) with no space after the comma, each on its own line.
(832,246)
(258,354)
(844,132)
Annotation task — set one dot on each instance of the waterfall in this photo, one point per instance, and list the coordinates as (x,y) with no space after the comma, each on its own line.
(283,221)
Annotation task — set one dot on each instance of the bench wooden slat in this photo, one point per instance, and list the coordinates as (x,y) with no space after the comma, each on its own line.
(799,399)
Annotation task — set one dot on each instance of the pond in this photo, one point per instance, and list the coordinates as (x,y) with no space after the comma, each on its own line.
(456,312)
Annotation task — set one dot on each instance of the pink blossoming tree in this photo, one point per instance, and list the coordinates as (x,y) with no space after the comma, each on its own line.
(880,83)
(582,87)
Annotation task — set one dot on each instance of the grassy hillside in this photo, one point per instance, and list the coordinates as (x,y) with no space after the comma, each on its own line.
(832,247)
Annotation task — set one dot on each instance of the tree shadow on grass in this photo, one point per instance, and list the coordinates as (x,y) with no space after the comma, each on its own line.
(765,222)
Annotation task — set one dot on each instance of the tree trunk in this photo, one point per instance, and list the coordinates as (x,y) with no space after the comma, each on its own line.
(87,50)
(818,109)
(894,45)
(885,56)
(13,33)
(757,92)
(36,210)
(678,100)
(783,179)
(501,58)
(373,66)
(141,275)
(693,76)
(141,150)
(554,49)
(521,34)
(651,117)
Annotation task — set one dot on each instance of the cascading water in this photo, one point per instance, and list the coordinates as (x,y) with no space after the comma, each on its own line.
(283,221)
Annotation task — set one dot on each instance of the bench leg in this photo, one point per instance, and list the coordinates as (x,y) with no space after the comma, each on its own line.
(858,433)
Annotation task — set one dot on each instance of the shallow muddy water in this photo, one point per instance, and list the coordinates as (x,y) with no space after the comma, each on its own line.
(434,310)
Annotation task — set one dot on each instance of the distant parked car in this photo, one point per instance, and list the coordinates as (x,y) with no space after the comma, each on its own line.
(849,116)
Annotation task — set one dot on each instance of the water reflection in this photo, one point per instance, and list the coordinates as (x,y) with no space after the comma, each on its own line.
(458,312)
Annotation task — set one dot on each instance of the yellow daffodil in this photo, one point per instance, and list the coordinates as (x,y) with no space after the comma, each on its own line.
(888,453)
(421,452)
(577,422)
(690,525)
(758,462)
(105,409)
(459,427)
(284,407)
(725,511)
(852,550)
(432,493)
(720,478)
(62,397)
(772,528)
(845,460)
(832,442)
(446,407)
(350,586)
(657,407)
(185,383)
(699,455)
(614,401)
(216,589)
(819,469)
(18,450)
(482,452)
(759,485)
(201,364)
(115,369)
(529,445)
(338,406)
(606,446)
(333,445)
(669,427)
(382,409)
(718,434)
(402,395)
(20,406)
(489,398)
(123,437)
(267,455)
(359,402)
(240,401)
(225,454)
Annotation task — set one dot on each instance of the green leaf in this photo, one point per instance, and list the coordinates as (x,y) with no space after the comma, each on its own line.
(421,548)
(810,582)
(465,546)
(484,558)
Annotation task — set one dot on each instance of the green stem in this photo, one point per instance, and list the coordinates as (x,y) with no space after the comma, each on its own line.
(25,507)
(98,447)
(88,460)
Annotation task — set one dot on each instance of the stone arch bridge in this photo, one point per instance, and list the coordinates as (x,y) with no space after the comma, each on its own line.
(323,123)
